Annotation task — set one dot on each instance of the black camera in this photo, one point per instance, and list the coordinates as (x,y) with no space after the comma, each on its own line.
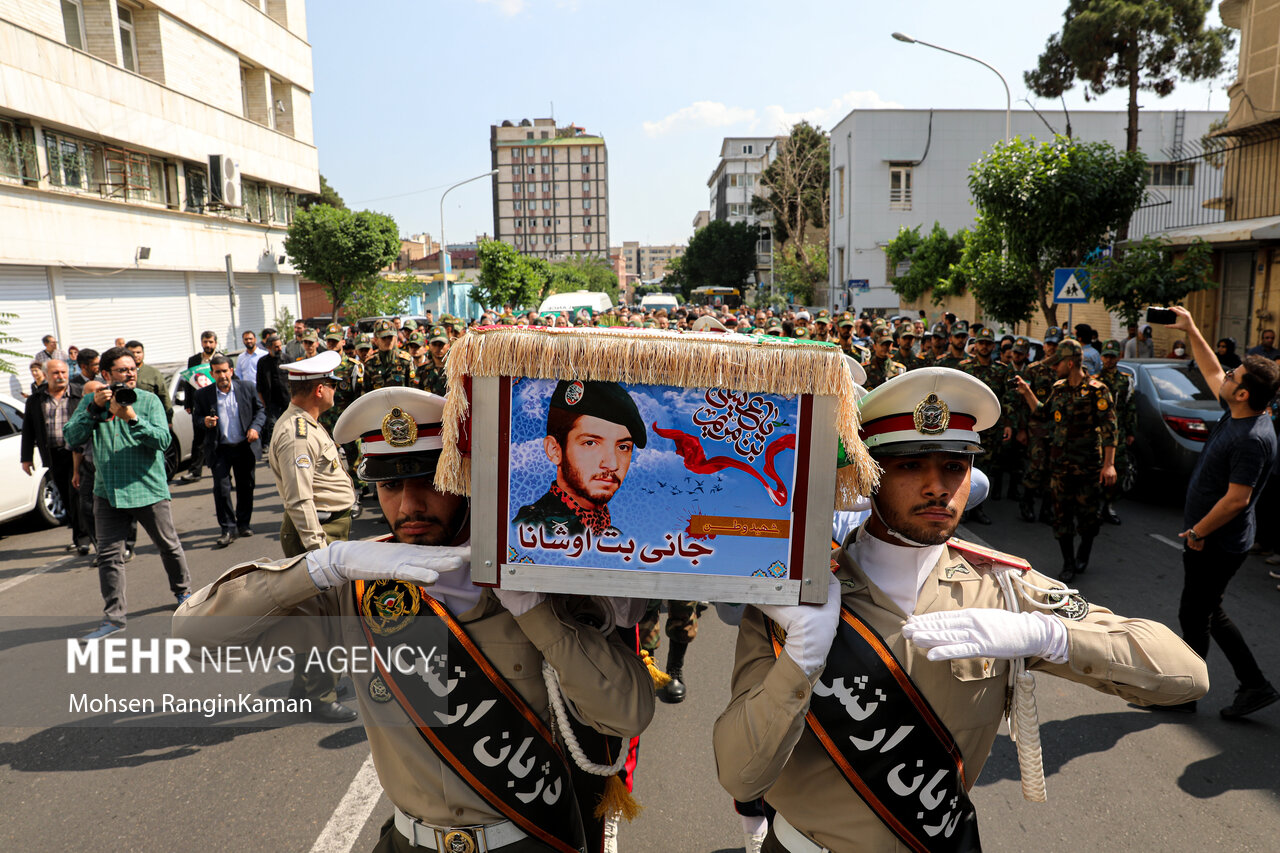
(123,394)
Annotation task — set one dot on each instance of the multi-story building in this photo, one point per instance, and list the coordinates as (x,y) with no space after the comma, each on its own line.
(551,192)
(892,169)
(150,152)
(734,183)
(700,220)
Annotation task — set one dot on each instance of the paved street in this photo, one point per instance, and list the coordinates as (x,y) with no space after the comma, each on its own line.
(1118,779)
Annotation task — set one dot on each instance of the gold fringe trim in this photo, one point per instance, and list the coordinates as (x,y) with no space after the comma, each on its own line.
(617,800)
(651,357)
(660,678)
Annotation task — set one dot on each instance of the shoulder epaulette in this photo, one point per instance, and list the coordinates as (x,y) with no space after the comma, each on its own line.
(402,354)
(1058,382)
(988,558)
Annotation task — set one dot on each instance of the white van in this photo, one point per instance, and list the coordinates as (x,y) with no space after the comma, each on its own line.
(654,301)
(594,301)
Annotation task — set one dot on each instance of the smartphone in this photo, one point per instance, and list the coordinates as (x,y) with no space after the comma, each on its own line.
(1162,316)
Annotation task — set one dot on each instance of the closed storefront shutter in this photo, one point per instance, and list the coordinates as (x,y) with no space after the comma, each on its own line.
(254,303)
(24,293)
(150,307)
(213,311)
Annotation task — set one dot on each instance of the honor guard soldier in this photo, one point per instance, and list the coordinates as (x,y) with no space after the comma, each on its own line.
(990,371)
(474,746)
(1082,446)
(1040,376)
(880,367)
(388,366)
(1121,388)
(318,498)
(954,355)
(865,721)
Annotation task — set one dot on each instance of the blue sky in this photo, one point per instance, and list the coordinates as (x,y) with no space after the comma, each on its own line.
(406,89)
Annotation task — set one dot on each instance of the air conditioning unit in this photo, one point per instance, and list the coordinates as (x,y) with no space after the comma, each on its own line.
(224,181)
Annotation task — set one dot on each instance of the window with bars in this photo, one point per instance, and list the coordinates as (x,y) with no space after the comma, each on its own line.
(899,187)
(1171,174)
(18,157)
(197,188)
(74,164)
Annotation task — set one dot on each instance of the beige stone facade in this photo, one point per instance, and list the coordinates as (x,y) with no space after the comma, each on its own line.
(551,192)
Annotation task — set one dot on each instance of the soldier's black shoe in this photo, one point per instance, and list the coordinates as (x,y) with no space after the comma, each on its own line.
(1109,514)
(674,691)
(1068,560)
(1082,555)
(1179,708)
(1248,700)
(977,516)
(332,712)
(1027,506)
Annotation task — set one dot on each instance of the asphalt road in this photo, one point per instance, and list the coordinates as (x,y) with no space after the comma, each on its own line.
(1118,779)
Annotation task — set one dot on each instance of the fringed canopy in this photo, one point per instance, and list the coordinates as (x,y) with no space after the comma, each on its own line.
(650,357)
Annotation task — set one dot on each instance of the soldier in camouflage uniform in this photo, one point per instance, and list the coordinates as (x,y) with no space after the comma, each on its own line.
(1120,386)
(1082,446)
(350,375)
(416,346)
(682,627)
(388,366)
(938,344)
(955,353)
(880,367)
(906,350)
(364,344)
(990,371)
(1040,376)
(822,326)
(844,336)
(1015,452)
(431,376)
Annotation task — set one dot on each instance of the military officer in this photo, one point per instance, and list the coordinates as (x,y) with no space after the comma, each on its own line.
(1040,376)
(1120,386)
(880,367)
(387,366)
(317,496)
(1082,448)
(363,345)
(482,769)
(892,692)
(990,371)
(431,375)
(844,336)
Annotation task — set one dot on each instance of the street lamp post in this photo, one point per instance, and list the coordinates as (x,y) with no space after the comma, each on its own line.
(1008,100)
(444,251)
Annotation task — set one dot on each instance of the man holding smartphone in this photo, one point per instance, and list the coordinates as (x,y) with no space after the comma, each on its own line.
(1219,515)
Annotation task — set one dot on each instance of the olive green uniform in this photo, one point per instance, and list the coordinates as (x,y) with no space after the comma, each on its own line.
(1040,376)
(1082,421)
(881,370)
(1126,408)
(996,377)
(431,377)
(387,369)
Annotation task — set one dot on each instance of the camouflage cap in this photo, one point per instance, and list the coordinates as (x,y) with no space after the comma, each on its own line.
(1021,345)
(939,330)
(960,327)
(801,333)
(309,334)
(439,333)
(383,329)
(410,325)
(334,332)
(1067,349)
(824,316)
(1052,335)
(416,339)
(1111,347)
(774,329)
(907,332)
(364,342)
(846,319)
(985,334)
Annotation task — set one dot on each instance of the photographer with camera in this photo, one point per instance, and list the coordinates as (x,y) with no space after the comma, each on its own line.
(129,432)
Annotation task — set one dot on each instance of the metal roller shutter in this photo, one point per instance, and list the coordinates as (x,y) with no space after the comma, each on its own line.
(213,310)
(24,292)
(148,306)
(254,303)
(287,289)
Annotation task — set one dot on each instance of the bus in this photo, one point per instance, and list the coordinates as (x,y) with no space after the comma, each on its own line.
(720,297)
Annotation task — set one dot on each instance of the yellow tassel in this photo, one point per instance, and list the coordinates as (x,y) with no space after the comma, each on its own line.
(660,678)
(617,800)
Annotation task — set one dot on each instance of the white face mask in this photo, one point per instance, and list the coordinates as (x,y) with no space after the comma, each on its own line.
(1179,351)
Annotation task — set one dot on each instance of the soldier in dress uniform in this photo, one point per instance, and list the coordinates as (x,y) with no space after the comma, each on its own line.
(317,496)
(880,367)
(990,371)
(1120,386)
(387,366)
(464,742)
(1082,447)
(954,354)
(865,721)
(1040,376)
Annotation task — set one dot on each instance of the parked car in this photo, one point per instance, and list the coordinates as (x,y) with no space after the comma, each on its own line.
(178,454)
(21,493)
(1176,411)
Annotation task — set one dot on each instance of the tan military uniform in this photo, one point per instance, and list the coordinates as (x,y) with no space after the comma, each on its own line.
(605,680)
(309,475)
(763,747)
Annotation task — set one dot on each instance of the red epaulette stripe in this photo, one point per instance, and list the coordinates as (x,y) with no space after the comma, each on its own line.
(990,554)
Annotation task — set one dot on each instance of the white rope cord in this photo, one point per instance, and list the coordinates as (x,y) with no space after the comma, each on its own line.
(560,715)
(1060,592)
(1024,719)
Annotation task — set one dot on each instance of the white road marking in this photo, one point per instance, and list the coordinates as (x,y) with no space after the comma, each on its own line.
(12,582)
(340,833)
(1172,543)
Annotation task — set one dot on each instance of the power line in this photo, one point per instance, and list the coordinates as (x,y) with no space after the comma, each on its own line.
(401,195)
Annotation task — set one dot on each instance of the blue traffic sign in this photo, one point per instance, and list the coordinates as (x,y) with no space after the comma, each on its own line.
(1070,285)
(861,285)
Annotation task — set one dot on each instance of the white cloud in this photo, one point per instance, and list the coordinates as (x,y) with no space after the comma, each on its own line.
(773,119)
(700,114)
(510,8)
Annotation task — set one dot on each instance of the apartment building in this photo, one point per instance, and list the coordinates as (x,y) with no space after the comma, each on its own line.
(149,153)
(734,182)
(551,192)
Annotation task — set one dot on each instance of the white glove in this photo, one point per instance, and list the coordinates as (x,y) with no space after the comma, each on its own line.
(810,628)
(373,561)
(988,633)
(519,603)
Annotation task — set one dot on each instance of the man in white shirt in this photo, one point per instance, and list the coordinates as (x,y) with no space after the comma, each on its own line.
(247,361)
(232,416)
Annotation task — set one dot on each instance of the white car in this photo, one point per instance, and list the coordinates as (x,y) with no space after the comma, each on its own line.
(21,493)
(180,432)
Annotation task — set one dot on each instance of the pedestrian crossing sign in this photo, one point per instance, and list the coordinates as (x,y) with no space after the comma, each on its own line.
(1070,285)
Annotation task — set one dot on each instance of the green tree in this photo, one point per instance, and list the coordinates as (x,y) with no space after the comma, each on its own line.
(341,250)
(327,195)
(1132,45)
(931,258)
(584,272)
(720,255)
(797,184)
(1047,205)
(674,281)
(384,295)
(5,338)
(1146,273)
(1000,282)
(799,270)
(508,277)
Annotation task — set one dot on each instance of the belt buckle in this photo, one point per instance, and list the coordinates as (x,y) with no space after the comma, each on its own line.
(460,840)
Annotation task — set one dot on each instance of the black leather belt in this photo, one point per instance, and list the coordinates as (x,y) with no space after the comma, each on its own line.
(326,517)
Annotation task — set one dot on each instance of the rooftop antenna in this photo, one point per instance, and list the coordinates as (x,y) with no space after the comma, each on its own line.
(553,112)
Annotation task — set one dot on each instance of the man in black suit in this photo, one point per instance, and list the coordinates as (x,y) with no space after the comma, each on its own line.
(273,387)
(208,349)
(232,416)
